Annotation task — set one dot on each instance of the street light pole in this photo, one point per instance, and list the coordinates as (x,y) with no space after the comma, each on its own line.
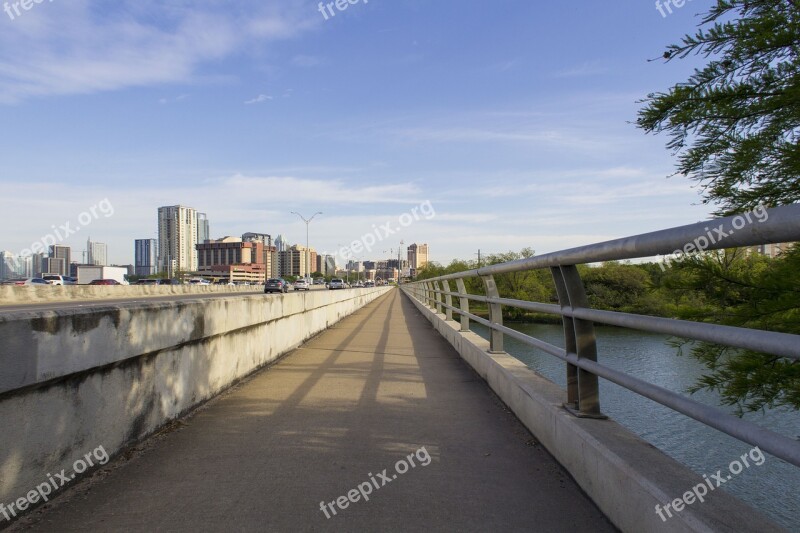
(308,253)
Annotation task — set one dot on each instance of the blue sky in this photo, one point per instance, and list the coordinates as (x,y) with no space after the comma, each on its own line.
(511,117)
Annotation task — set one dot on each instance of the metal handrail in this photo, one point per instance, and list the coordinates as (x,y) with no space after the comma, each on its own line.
(780,224)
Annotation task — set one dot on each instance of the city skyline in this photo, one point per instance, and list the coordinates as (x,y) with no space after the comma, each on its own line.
(251,113)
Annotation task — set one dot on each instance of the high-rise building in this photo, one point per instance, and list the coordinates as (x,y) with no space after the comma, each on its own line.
(417,256)
(177,236)
(280,247)
(146,257)
(326,265)
(8,265)
(16,267)
(97,253)
(293,261)
(55,265)
(36,265)
(62,254)
(203,228)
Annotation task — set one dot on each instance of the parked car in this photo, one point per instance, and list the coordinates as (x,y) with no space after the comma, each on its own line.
(54,279)
(369,284)
(104,282)
(301,285)
(336,283)
(167,281)
(199,281)
(32,281)
(276,285)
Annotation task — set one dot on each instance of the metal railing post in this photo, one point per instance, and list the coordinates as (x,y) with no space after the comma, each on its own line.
(583,390)
(437,296)
(429,294)
(495,315)
(463,303)
(448,300)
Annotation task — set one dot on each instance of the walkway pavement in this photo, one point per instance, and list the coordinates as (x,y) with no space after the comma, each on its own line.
(380,390)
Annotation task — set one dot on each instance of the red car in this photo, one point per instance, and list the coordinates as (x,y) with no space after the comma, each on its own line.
(105,282)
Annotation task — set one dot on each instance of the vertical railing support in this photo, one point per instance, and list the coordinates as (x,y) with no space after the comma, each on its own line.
(463,303)
(583,391)
(429,295)
(437,296)
(495,315)
(448,300)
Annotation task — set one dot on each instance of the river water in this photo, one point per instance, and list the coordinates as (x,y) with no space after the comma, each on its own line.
(773,487)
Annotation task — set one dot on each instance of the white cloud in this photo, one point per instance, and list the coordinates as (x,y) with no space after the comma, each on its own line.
(260,99)
(74,48)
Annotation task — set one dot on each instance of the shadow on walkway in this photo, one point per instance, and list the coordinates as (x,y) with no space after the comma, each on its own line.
(330,417)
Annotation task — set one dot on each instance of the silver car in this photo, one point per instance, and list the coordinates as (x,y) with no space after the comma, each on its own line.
(336,283)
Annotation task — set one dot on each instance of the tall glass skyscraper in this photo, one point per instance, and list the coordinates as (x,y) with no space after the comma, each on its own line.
(146,257)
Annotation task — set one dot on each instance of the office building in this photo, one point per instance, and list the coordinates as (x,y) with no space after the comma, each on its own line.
(97,253)
(8,266)
(145,257)
(326,265)
(281,245)
(293,261)
(270,255)
(203,228)
(235,259)
(55,265)
(417,256)
(63,257)
(177,236)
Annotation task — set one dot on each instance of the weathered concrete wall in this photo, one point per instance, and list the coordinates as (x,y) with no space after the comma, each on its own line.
(13,295)
(624,475)
(71,381)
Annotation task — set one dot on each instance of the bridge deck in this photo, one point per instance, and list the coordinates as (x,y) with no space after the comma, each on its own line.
(331,416)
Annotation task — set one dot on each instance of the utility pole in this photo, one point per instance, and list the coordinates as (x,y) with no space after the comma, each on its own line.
(399,263)
(308,253)
(479,258)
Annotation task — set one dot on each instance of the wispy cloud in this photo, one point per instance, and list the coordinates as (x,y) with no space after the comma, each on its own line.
(74,48)
(260,99)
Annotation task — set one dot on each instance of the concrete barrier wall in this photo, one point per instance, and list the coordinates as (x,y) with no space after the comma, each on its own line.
(71,381)
(624,475)
(15,295)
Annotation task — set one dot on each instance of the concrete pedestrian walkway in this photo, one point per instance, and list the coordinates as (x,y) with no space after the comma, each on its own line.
(378,407)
